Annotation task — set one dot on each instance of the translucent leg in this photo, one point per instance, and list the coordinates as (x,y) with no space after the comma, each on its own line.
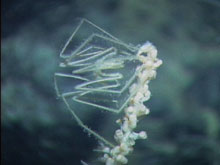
(107,37)
(85,127)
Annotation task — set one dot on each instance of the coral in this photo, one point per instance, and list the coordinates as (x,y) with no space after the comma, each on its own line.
(125,136)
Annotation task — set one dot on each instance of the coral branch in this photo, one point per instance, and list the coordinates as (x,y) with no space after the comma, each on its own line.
(125,136)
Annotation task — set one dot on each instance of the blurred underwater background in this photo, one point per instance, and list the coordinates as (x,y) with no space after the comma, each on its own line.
(183,126)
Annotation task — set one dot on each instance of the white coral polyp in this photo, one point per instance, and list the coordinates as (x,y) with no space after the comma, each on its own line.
(125,136)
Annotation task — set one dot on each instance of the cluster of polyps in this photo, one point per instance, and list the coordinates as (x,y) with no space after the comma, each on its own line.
(125,136)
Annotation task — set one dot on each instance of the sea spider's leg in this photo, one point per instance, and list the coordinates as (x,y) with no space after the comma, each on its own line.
(100,89)
(101,64)
(102,30)
(130,47)
(81,62)
(116,77)
(112,91)
(81,90)
(69,58)
(65,75)
(75,31)
(77,99)
(69,40)
(92,67)
(75,52)
(90,47)
(71,76)
(90,54)
(82,53)
(107,89)
(78,120)
(95,105)
(88,90)
(91,57)
(85,127)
